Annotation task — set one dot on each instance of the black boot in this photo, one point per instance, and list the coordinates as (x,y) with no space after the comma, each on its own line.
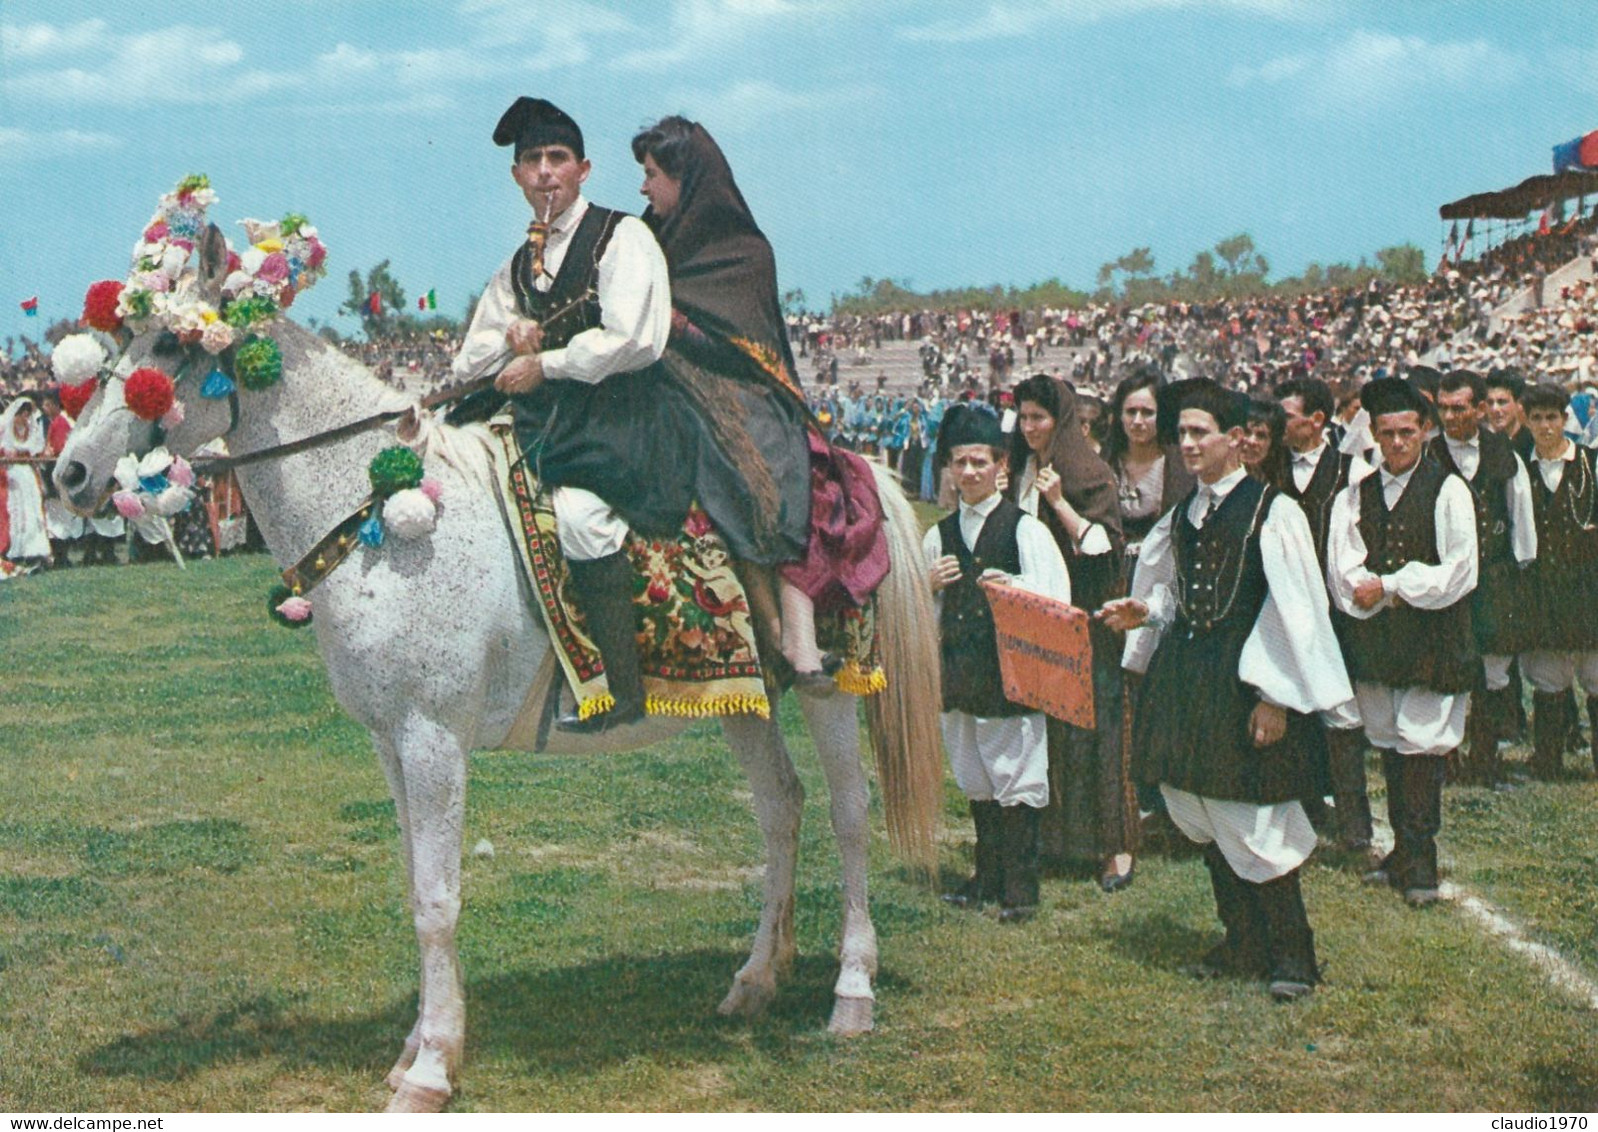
(986,885)
(1422,818)
(1345,756)
(58,554)
(1294,971)
(1483,729)
(1548,727)
(1243,951)
(604,588)
(1019,900)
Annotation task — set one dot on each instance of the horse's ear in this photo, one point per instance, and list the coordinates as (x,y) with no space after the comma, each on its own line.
(213,263)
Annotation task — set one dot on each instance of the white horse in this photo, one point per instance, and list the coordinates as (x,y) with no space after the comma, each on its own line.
(434,646)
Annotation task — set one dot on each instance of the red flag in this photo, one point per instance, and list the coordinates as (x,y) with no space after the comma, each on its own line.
(375,303)
(31,306)
(1587,153)
(421,303)
(1543,224)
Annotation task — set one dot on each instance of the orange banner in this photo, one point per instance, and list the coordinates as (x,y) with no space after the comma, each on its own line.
(1045,654)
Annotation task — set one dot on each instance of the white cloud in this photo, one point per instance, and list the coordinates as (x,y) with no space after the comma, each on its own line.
(175,64)
(29,41)
(750,103)
(1009,19)
(27,145)
(1371,68)
(702,28)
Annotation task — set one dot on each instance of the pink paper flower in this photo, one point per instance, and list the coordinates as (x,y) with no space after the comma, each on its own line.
(432,488)
(317,255)
(173,416)
(274,268)
(180,472)
(128,505)
(155,231)
(296,608)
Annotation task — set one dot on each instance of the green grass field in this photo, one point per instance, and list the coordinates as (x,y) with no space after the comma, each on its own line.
(201,909)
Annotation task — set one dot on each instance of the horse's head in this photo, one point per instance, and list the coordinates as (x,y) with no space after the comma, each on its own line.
(108,428)
(191,318)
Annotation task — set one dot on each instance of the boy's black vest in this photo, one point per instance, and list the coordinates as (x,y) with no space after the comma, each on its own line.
(1330,477)
(1401,646)
(971,680)
(1495,602)
(1561,593)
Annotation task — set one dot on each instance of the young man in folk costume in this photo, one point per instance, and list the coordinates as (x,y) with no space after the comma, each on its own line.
(1403,561)
(1317,473)
(575,325)
(1506,540)
(1234,635)
(552,350)
(1505,414)
(1560,599)
(999,750)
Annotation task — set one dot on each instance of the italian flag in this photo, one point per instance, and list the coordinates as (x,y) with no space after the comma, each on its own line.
(428,302)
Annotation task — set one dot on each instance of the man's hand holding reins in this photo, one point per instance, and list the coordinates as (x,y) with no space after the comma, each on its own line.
(524,374)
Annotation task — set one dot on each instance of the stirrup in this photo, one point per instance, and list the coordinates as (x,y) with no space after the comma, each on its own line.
(598,724)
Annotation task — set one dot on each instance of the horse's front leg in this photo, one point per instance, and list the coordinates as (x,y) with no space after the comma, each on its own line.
(432,769)
(835,730)
(394,774)
(779,799)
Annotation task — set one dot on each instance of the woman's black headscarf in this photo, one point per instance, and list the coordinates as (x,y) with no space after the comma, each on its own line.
(723,273)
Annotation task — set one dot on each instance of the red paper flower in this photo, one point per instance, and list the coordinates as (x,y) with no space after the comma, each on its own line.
(75,397)
(148,393)
(100,305)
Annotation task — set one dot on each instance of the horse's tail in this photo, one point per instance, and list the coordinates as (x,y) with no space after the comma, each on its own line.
(903,718)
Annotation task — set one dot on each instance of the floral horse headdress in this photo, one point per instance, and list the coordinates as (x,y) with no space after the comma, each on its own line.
(163,293)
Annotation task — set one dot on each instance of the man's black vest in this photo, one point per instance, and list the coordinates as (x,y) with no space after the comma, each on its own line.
(1490,489)
(1401,646)
(1329,478)
(1561,594)
(571,305)
(971,680)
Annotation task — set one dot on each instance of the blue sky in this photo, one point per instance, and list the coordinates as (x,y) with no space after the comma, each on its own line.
(936,142)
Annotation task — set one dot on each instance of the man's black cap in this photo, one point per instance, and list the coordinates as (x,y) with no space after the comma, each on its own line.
(1392,395)
(534,122)
(971,424)
(1228,406)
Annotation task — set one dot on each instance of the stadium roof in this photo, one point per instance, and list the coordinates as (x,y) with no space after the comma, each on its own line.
(1531,195)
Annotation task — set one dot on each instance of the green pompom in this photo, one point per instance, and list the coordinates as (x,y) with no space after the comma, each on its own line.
(292,222)
(394,469)
(258,363)
(193,182)
(276,597)
(245,313)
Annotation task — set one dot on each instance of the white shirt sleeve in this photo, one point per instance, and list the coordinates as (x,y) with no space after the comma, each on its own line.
(1291,656)
(1153,584)
(1522,522)
(635,311)
(484,352)
(1420,584)
(1042,567)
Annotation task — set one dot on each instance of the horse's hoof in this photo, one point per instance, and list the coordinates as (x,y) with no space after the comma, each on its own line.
(851,1016)
(418,1098)
(746,999)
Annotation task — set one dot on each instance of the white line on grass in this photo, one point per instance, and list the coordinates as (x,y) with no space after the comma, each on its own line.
(1560,972)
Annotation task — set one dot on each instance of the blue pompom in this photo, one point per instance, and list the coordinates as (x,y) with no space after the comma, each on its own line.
(217,385)
(372,531)
(155,485)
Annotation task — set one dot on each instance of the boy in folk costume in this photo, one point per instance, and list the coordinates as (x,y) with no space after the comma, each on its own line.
(1317,473)
(1234,633)
(1242,652)
(1403,562)
(1506,539)
(1561,597)
(999,750)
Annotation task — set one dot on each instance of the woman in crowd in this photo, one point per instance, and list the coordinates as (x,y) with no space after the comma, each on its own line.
(1150,477)
(21,437)
(1265,444)
(1060,480)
